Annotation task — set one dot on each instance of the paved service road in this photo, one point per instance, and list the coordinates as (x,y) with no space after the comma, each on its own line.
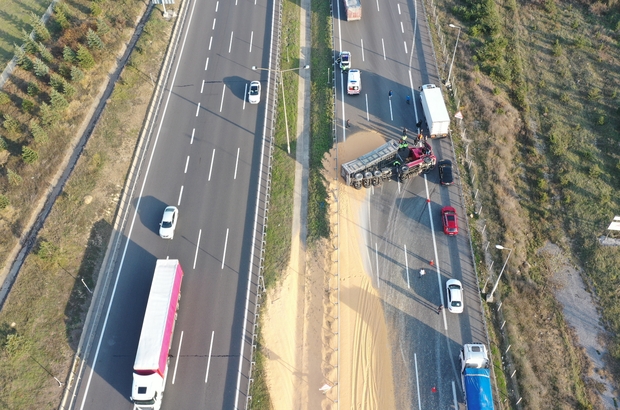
(204,157)
(391,47)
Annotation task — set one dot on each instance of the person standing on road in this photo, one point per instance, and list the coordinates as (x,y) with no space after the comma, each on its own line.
(348,124)
(408,100)
(422,272)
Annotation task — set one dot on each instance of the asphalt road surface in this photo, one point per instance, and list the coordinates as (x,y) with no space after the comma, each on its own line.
(392,49)
(204,157)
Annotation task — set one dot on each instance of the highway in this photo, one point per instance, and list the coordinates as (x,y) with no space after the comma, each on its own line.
(391,46)
(205,157)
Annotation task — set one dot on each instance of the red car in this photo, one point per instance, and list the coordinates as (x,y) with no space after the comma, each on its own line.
(450,220)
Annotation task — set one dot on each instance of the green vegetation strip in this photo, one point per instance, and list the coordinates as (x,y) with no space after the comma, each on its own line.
(41,322)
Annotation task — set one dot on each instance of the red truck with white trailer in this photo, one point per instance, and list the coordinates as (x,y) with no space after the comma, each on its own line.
(151,366)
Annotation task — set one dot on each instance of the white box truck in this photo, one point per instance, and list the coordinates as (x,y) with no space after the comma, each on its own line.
(151,366)
(435,111)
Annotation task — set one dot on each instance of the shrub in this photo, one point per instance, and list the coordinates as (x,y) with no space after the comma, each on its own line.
(29,155)
(4,145)
(56,81)
(11,124)
(102,26)
(594,94)
(65,70)
(68,90)
(594,171)
(557,48)
(49,117)
(27,105)
(85,58)
(58,101)
(76,74)
(68,54)
(4,98)
(95,10)
(60,16)
(38,133)
(41,32)
(601,120)
(93,40)
(4,201)
(13,177)
(46,55)
(27,63)
(40,68)
(33,89)
(19,54)
(30,46)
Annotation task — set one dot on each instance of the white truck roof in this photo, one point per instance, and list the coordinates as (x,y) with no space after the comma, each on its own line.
(474,355)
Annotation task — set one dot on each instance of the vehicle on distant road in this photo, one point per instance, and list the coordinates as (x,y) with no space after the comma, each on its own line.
(168,222)
(449,220)
(454,291)
(354,81)
(254,92)
(445,172)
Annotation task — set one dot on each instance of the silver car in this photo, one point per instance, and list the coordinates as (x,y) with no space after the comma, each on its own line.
(254,92)
(168,222)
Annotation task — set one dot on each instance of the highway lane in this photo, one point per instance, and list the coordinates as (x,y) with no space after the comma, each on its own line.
(204,157)
(404,227)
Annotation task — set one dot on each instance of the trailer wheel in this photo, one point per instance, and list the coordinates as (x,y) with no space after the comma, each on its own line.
(357,184)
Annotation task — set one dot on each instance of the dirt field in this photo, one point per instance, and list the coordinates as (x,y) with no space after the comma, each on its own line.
(301,328)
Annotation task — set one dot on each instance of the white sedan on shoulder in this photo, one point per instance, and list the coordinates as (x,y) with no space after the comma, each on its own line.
(168,222)
(454,291)
(254,92)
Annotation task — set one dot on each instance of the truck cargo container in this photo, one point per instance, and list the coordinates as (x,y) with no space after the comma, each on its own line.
(435,111)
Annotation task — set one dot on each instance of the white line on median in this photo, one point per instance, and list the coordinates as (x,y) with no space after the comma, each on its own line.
(211,166)
(180,196)
(202,87)
(456,403)
(383,46)
(192,140)
(210,42)
(207,63)
(406,51)
(251,39)
(230,45)
(367,113)
(197,109)
(402,28)
(407,266)
(417,380)
(223,92)
(237,163)
(244,94)
(197,248)
(186,164)
(209,359)
(225,245)
(362,42)
(213,27)
(176,364)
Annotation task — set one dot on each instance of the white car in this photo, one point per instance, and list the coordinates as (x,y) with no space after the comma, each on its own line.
(254,92)
(454,290)
(168,222)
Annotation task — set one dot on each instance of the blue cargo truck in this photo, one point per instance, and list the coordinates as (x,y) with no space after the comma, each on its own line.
(476,377)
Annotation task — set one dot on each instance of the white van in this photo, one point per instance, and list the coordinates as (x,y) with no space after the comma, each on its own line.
(354,82)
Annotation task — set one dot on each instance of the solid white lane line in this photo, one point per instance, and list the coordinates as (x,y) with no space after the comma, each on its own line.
(133,220)
(225,245)
(417,381)
(407,266)
(391,112)
(406,51)
(230,44)
(367,112)
(209,359)
(237,163)
(213,27)
(222,102)
(176,364)
(251,39)
(186,164)
(402,28)
(207,62)
(383,46)
(197,248)
(197,109)
(211,166)
(210,42)
(202,87)
(430,214)
(415,109)
(456,403)
(362,42)
(192,140)
(180,196)
(245,92)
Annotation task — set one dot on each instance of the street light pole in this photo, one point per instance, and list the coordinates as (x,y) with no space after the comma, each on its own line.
(490,295)
(279,73)
(453,54)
